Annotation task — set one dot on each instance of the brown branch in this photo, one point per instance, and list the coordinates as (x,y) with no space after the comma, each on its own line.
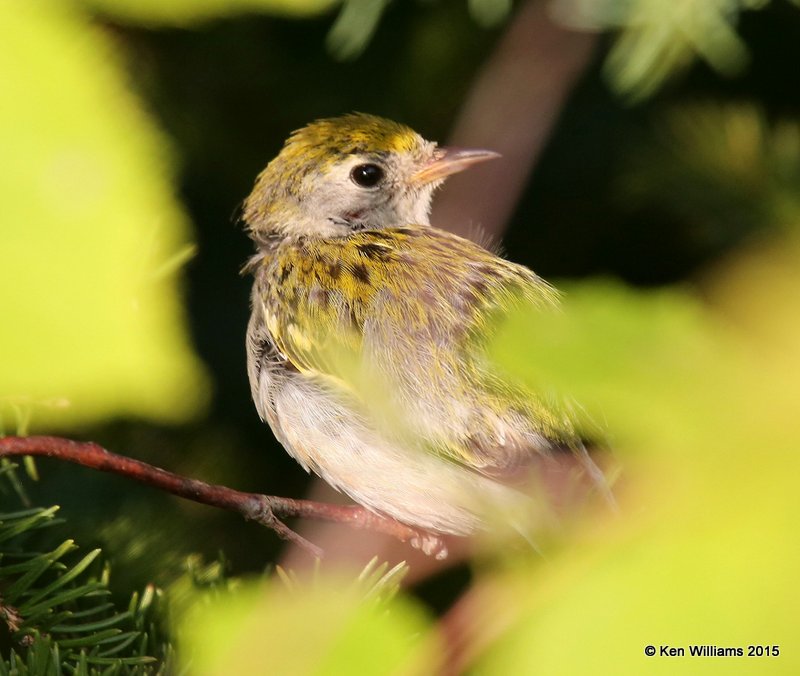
(264,509)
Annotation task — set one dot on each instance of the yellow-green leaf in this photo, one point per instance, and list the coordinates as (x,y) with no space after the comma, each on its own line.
(93,321)
(327,627)
(702,399)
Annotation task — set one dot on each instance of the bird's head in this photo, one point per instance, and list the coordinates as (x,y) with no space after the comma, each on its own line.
(348,173)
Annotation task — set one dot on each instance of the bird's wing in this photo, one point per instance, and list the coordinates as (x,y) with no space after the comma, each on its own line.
(400,317)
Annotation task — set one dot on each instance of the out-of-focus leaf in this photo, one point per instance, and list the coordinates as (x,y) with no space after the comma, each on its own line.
(188,12)
(91,233)
(658,39)
(701,556)
(703,401)
(622,354)
(354,27)
(489,12)
(323,628)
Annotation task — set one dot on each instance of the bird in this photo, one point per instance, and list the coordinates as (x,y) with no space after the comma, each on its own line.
(367,345)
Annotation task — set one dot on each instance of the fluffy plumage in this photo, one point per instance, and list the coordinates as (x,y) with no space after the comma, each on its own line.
(366,345)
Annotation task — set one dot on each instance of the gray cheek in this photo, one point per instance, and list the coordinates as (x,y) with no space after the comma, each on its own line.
(331,201)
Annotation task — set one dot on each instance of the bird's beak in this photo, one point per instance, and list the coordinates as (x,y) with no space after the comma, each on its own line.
(449,161)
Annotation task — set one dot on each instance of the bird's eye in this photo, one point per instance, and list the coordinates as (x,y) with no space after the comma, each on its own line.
(366,175)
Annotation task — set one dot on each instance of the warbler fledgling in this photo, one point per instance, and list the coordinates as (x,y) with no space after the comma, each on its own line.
(366,343)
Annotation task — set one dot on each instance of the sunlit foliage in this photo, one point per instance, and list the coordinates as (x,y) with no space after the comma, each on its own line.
(91,234)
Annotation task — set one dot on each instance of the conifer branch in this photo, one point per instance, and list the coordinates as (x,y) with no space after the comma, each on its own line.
(268,510)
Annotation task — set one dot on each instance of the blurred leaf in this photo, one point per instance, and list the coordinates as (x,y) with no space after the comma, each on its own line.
(189,12)
(701,557)
(703,402)
(327,627)
(659,39)
(622,354)
(354,27)
(93,321)
(490,12)
(358,20)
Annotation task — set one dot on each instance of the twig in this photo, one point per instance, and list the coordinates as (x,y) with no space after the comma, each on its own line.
(265,509)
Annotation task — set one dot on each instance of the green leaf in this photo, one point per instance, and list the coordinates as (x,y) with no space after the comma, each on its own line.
(354,27)
(658,40)
(34,568)
(62,580)
(701,400)
(38,519)
(91,626)
(69,608)
(93,320)
(35,613)
(266,629)
(489,13)
(85,641)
